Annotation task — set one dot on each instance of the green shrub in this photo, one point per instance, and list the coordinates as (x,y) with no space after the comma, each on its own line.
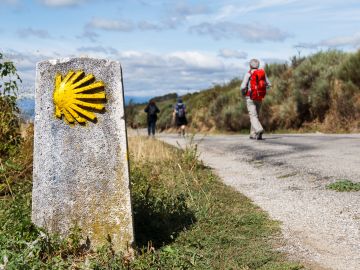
(349,70)
(344,185)
(9,113)
(312,84)
(165,117)
(344,103)
(275,69)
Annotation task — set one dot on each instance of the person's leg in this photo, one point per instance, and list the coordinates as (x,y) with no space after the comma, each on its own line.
(149,127)
(256,127)
(258,106)
(183,130)
(153,124)
(252,132)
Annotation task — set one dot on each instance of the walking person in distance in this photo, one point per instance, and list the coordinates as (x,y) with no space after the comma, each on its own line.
(254,87)
(180,116)
(152,110)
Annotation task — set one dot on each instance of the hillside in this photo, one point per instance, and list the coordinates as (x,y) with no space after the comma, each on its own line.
(319,92)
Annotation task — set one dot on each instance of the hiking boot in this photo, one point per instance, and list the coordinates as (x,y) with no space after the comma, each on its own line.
(252,136)
(259,136)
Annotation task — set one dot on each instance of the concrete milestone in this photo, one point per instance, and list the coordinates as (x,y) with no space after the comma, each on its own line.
(81,175)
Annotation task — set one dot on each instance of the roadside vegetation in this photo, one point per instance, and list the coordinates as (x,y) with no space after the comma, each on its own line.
(185,218)
(320,92)
(10,138)
(344,186)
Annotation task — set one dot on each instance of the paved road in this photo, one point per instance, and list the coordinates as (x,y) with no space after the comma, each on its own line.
(286,175)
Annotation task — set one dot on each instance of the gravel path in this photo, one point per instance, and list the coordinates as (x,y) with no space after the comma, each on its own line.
(286,175)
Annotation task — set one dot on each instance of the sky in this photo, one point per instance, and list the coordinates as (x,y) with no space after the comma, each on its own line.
(175,45)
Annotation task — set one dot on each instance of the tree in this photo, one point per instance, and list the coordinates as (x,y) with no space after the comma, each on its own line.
(9,113)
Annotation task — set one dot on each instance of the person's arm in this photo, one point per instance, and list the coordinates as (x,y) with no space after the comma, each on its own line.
(268,83)
(157,109)
(245,83)
(146,109)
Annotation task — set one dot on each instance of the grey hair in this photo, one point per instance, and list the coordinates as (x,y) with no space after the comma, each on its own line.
(254,63)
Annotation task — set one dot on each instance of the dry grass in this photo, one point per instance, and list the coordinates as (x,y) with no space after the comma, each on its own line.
(18,168)
(144,149)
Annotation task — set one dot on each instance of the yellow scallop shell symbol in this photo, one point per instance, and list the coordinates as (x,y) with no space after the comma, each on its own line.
(77,97)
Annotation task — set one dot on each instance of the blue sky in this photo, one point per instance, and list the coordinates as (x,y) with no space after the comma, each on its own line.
(173,46)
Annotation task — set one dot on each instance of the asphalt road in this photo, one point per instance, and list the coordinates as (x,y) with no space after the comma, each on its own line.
(287,175)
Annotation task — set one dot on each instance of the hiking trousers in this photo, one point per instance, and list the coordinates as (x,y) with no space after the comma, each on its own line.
(151,126)
(253,107)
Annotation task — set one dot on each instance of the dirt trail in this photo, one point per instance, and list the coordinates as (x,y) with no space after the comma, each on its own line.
(286,175)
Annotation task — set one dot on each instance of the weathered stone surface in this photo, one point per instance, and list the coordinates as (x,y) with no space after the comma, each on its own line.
(81,171)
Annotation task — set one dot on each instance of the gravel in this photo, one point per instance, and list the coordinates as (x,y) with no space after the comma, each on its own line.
(287,175)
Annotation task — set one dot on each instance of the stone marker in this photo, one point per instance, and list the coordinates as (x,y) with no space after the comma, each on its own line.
(81,174)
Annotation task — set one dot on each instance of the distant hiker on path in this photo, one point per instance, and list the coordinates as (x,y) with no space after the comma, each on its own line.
(152,110)
(180,116)
(253,87)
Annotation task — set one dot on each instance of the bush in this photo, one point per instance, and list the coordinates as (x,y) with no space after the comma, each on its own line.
(349,70)
(312,84)
(165,116)
(275,70)
(9,118)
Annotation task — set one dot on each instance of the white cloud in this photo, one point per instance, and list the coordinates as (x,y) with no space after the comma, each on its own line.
(177,14)
(98,49)
(57,3)
(229,53)
(148,74)
(111,25)
(146,25)
(30,32)
(145,74)
(273,60)
(353,41)
(183,9)
(246,32)
(340,41)
(194,59)
(228,11)
(305,45)
(89,34)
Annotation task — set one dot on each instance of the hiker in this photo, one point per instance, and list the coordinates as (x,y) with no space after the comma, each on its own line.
(152,110)
(253,87)
(180,116)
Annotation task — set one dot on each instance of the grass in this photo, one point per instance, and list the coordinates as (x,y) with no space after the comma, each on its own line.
(184,218)
(344,186)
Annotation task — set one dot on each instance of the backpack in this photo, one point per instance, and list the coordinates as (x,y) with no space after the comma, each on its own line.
(152,110)
(180,108)
(257,84)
